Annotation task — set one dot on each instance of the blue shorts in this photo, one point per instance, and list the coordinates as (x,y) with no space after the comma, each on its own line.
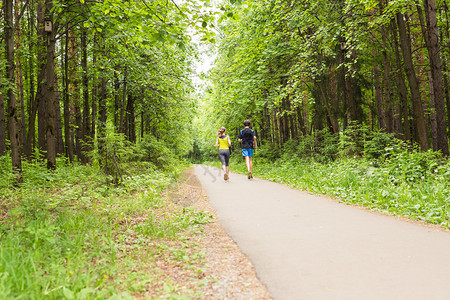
(247,152)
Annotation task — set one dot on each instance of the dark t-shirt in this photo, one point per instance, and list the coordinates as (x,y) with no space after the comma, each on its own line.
(247,135)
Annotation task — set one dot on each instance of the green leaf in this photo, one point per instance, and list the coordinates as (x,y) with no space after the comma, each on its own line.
(68,293)
(204,24)
(86,25)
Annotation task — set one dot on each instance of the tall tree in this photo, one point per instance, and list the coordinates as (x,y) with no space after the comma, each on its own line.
(434,51)
(41,98)
(32,102)
(49,87)
(12,105)
(86,109)
(418,112)
(2,124)
(67,103)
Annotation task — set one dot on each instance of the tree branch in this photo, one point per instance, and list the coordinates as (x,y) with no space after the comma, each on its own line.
(16,26)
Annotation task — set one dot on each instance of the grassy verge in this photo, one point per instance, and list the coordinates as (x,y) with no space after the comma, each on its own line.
(69,234)
(413,185)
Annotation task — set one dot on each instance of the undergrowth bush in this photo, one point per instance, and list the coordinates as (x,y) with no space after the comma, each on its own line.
(270,152)
(152,150)
(117,153)
(325,146)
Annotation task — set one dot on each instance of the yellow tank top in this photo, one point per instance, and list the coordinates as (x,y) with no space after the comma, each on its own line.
(223,142)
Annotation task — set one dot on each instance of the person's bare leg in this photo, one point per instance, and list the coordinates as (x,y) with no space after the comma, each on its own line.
(225,174)
(247,161)
(250,164)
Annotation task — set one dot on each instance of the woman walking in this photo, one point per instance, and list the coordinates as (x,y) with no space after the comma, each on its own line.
(224,143)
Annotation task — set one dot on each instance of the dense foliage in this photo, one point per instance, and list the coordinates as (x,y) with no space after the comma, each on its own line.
(297,67)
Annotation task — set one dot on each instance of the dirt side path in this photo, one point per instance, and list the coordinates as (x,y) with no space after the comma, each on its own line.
(228,273)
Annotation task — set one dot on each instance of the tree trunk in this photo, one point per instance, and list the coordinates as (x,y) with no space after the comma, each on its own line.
(59,128)
(78,130)
(94,94)
(86,124)
(32,102)
(116,100)
(67,117)
(50,76)
(284,121)
(334,99)
(2,116)
(436,73)
(102,124)
(433,120)
(388,113)
(379,99)
(74,90)
(2,124)
(275,128)
(142,124)
(41,89)
(19,74)
(403,92)
(292,122)
(131,129)
(445,61)
(124,101)
(265,134)
(447,90)
(418,112)
(355,95)
(301,123)
(12,105)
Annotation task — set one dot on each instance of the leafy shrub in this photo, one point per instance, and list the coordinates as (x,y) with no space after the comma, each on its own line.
(353,139)
(268,151)
(328,145)
(322,146)
(151,150)
(113,149)
(408,165)
(306,146)
(376,143)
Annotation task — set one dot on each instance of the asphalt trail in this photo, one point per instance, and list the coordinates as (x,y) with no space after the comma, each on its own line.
(310,247)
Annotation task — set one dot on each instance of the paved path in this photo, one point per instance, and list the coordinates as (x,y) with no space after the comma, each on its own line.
(310,247)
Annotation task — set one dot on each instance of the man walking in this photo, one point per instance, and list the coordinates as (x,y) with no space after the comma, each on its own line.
(248,138)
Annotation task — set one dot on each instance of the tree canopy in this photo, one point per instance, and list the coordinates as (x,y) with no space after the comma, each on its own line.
(296,68)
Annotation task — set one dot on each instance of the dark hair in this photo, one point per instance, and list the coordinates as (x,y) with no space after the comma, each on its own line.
(246,123)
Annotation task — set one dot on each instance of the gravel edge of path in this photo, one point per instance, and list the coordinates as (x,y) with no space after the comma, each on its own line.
(228,272)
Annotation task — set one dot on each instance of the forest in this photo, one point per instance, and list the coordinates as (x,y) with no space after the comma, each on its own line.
(103,107)
(296,68)
(78,74)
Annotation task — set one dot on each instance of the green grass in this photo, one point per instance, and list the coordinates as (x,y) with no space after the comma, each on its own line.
(68,234)
(413,185)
